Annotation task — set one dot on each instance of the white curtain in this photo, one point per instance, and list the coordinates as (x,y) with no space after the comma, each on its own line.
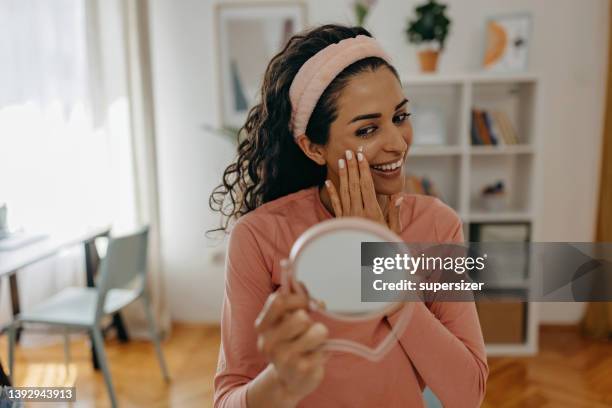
(76,131)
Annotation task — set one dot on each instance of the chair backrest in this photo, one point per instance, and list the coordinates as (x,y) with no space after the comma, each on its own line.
(125,265)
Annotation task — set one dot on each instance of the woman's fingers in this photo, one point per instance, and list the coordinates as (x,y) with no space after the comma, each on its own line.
(334,197)
(368,193)
(275,308)
(393,213)
(354,184)
(312,339)
(345,198)
(292,325)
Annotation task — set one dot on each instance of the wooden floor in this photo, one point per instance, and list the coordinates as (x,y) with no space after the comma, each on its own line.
(569,371)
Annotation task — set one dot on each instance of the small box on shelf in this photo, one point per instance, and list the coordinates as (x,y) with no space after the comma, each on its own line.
(502,322)
(508,254)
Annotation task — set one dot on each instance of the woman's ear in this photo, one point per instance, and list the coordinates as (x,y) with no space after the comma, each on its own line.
(315,152)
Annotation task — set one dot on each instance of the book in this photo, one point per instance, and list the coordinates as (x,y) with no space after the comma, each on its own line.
(492,128)
(488,122)
(497,129)
(482,128)
(509,129)
(502,128)
(476,140)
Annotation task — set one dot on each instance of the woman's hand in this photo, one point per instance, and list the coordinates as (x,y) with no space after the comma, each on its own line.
(292,342)
(357,196)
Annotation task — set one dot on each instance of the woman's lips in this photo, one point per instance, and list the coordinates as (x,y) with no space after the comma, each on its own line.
(389,174)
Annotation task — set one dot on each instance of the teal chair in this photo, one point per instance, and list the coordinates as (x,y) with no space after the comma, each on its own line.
(122,280)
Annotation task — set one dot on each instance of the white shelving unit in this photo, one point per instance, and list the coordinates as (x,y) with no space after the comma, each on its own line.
(459,170)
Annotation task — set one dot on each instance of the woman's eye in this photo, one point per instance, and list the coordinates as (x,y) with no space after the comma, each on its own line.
(366,131)
(401,117)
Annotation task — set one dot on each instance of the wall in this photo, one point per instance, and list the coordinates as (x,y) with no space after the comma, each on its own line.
(569,48)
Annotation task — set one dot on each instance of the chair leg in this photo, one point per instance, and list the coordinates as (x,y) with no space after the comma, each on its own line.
(98,342)
(12,334)
(67,351)
(155,338)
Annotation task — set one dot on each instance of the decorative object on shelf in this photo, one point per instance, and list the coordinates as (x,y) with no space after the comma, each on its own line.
(362,9)
(494,197)
(507,43)
(249,35)
(428,125)
(491,128)
(429,31)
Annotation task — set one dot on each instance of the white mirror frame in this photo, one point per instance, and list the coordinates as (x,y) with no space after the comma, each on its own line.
(289,280)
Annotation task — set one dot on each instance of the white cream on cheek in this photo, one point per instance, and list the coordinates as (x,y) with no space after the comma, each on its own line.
(364,149)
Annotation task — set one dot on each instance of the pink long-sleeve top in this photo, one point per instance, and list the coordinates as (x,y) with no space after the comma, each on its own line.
(442,346)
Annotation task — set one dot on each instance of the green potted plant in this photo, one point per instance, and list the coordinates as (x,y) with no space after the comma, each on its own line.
(361,9)
(429,30)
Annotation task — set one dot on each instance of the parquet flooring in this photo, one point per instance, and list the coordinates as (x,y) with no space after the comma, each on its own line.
(569,371)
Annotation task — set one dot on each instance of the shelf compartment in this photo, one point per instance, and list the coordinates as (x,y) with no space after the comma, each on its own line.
(515,99)
(432,106)
(442,172)
(516,173)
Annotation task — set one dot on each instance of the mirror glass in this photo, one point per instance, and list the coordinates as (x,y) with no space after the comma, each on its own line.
(328,263)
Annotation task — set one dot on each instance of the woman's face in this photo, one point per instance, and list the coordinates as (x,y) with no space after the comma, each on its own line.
(372,118)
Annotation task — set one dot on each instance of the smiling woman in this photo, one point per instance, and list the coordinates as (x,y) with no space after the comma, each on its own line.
(329,138)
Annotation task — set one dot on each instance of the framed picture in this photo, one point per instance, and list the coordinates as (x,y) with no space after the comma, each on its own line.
(429,125)
(249,35)
(507,43)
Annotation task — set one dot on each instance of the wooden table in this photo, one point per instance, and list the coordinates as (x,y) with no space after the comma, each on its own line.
(12,260)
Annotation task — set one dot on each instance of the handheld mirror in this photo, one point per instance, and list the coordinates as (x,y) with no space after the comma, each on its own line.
(326,259)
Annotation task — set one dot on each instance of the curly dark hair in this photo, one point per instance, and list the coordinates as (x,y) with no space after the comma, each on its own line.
(270,164)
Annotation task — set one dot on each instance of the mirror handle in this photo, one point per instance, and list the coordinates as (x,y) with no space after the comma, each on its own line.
(288,283)
(380,351)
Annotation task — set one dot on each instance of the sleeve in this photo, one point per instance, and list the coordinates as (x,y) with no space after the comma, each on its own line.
(248,284)
(444,342)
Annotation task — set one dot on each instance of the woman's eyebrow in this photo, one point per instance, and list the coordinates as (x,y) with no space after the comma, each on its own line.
(402,103)
(376,115)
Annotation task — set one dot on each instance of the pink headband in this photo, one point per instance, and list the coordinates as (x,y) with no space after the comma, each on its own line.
(320,70)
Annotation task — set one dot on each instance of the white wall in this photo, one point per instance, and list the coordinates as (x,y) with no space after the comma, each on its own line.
(569,48)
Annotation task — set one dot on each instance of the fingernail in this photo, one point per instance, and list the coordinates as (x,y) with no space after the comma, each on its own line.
(327,183)
(398,201)
(359,156)
(341,163)
(349,155)
(320,327)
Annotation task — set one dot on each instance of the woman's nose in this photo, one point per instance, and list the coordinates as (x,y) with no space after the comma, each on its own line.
(395,140)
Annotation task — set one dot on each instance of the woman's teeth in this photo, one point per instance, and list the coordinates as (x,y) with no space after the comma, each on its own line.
(389,167)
